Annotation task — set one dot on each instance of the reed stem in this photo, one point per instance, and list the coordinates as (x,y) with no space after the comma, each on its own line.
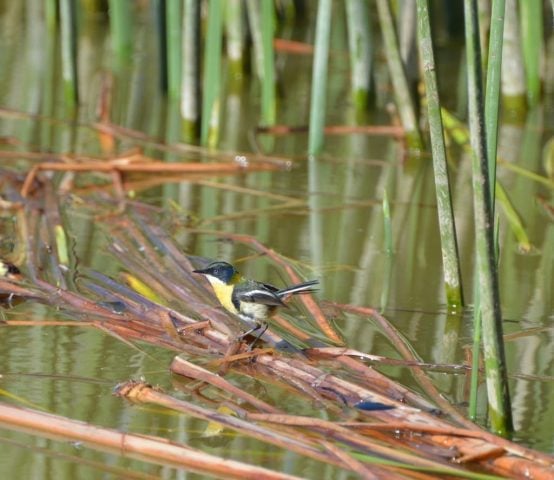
(68,21)
(268,83)
(190,87)
(211,102)
(492,99)
(174,56)
(447,226)
(533,48)
(235,35)
(360,48)
(495,363)
(121,29)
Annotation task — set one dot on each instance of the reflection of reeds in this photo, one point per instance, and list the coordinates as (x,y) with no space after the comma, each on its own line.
(319,77)
(193,326)
(404,101)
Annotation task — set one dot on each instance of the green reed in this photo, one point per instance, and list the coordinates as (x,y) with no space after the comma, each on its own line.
(268,82)
(173,20)
(533,48)
(211,81)
(360,50)
(447,226)
(495,363)
(190,87)
(121,29)
(68,23)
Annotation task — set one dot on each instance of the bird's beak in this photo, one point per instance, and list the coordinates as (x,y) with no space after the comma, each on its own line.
(199,271)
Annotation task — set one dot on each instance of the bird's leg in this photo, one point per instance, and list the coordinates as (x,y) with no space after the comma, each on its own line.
(263,326)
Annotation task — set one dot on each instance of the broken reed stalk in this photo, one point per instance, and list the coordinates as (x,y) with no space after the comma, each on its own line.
(495,361)
(335,387)
(144,320)
(182,148)
(400,344)
(150,449)
(445,211)
(313,446)
(143,393)
(119,167)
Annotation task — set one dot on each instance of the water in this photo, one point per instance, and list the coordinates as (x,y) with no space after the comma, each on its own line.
(328,216)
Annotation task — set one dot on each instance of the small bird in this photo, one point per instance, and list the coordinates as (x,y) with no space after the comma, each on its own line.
(9,270)
(254,302)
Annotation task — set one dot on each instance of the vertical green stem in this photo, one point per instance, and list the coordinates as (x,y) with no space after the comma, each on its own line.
(268,83)
(190,87)
(360,43)
(404,101)
(319,77)
(513,75)
(532,33)
(492,99)
(68,20)
(254,20)
(212,75)
(389,251)
(234,32)
(449,244)
(51,12)
(495,362)
(121,29)
(174,56)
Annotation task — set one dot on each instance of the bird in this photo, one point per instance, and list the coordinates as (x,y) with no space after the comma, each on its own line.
(9,270)
(252,301)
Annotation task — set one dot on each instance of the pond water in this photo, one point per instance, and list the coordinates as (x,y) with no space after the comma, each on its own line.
(326,213)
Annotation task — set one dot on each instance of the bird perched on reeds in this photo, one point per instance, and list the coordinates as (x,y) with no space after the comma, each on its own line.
(254,302)
(9,270)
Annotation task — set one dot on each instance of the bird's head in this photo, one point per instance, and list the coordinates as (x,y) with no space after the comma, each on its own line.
(9,270)
(220,272)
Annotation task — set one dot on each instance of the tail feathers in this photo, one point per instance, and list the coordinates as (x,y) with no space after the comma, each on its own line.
(305,287)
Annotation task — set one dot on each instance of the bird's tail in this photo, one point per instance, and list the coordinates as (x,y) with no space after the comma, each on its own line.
(305,287)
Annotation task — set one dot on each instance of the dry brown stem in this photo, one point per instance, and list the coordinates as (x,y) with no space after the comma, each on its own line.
(141,447)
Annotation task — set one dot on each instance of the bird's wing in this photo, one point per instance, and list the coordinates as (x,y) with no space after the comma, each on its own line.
(255,292)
